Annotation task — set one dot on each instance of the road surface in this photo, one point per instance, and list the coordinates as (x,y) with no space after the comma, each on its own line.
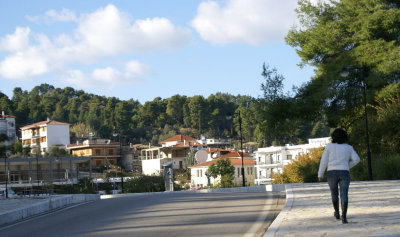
(168,214)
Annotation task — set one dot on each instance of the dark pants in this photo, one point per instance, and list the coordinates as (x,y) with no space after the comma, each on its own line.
(341,178)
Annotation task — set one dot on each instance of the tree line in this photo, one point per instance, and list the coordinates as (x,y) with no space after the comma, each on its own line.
(215,116)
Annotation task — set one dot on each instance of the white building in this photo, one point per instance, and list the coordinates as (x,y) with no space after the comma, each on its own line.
(46,134)
(174,149)
(272,159)
(198,172)
(7,126)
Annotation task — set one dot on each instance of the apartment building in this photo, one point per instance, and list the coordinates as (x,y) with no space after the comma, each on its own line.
(272,159)
(45,134)
(103,152)
(7,127)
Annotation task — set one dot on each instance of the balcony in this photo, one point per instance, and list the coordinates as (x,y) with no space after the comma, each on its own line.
(266,165)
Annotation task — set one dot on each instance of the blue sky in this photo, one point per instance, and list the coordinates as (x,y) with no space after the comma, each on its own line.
(145,49)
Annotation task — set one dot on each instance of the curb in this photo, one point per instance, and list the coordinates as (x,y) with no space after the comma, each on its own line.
(273,228)
(261,188)
(54,202)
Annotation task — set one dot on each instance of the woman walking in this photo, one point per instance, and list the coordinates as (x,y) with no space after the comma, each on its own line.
(338,158)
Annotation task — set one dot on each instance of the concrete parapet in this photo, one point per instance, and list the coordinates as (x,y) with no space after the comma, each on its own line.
(49,203)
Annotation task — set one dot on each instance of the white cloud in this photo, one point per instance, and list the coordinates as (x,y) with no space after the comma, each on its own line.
(250,21)
(102,33)
(109,31)
(17,41)
(51,16)
(24,64)
(65,15)
(108,77)
(137,68)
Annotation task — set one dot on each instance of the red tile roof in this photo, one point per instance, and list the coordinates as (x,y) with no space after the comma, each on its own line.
(235,154)
(191,144)
(6,116)
(213,150)
(234,161)
(52,122)
(178,138)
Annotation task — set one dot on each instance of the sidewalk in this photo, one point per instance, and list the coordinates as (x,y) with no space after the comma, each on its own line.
(374,210)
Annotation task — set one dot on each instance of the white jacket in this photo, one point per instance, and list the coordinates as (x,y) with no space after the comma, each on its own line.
(337,157)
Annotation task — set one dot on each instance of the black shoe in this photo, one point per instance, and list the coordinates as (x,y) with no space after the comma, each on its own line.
(344,212)
(336,214)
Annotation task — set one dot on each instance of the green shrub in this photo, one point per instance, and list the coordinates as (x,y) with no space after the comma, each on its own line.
(85,186)
(302,170)
(145,184)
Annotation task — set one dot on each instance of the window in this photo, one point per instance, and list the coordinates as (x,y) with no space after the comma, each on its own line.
(201,173)
(197,173)
(98,152)
(289,157)
(110,151)
(238,171)
(43,129)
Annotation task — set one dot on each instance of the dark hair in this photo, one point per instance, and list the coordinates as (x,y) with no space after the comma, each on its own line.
(339,136)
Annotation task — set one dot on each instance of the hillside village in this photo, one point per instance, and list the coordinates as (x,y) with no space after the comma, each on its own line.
(93,156)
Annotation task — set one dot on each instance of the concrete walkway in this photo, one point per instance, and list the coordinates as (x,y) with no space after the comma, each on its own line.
(374,210)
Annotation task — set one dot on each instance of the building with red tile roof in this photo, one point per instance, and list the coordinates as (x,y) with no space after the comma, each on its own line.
(174,149)
(236,154)
(45,134)
(103,152)
(199,177)
(177,139)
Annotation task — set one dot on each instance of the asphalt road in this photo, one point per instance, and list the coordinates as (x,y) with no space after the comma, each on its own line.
(174,214)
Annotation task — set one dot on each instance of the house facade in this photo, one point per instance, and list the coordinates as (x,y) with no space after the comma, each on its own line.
(272,159)
(174,149)
(45,134)
(7,127)
(132,156)
(103,152)
(199,177)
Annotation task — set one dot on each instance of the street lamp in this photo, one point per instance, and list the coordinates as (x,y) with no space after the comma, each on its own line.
(6,173)
(120,159)
(36,150)
(241,146)
(345,73)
